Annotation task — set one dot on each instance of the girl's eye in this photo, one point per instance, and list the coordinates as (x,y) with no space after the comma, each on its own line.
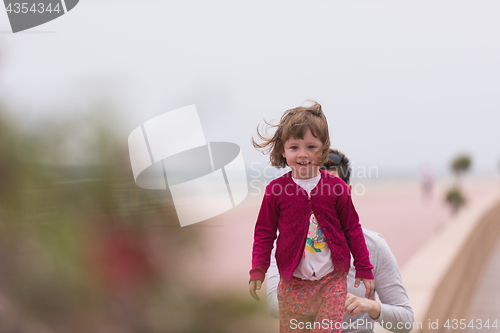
(293,147)
(312,147)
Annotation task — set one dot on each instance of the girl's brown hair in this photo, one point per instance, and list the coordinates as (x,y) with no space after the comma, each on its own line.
(295,123)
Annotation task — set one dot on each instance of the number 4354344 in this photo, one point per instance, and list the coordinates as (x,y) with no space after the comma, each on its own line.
(477,324)
(35,8)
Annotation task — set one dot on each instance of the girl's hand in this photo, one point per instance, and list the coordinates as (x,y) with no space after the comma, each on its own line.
(355,305)
(255,284)
(369,285)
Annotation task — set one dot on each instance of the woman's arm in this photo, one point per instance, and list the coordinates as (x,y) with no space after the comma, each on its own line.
(395,306)
(273,279)
(349,222)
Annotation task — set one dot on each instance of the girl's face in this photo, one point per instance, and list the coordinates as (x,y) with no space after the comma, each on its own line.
(300,155)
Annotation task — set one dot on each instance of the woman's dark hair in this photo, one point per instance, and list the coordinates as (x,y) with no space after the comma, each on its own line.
(339,162)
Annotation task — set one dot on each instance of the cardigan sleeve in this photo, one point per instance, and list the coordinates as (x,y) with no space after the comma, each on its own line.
(349,221)
(264,236)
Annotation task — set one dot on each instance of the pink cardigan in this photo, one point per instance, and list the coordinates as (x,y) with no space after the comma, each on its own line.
(286,207)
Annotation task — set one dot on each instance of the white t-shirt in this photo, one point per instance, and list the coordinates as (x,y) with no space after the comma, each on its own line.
(316,260)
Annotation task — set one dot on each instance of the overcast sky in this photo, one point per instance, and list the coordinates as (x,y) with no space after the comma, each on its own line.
(401,83)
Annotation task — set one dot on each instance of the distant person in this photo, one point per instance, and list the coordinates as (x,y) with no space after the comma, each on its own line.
(361,314)
(318,226)
(427,181)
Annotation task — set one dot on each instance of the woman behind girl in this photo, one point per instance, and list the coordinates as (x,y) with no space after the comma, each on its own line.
(317,223)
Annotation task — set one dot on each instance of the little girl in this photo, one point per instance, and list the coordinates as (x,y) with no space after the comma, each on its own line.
(308,202)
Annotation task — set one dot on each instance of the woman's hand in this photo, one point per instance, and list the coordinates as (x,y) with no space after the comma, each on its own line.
(355,305)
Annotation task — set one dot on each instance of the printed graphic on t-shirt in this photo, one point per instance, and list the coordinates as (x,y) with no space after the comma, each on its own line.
(315,241)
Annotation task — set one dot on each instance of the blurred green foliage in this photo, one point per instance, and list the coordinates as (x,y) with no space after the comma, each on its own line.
(461,164)
(83,249)
(455,199)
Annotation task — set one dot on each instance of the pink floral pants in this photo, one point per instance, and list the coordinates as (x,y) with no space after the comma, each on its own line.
(308,306)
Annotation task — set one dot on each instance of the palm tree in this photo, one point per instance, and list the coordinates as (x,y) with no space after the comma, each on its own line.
(454,197)
(460,165)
